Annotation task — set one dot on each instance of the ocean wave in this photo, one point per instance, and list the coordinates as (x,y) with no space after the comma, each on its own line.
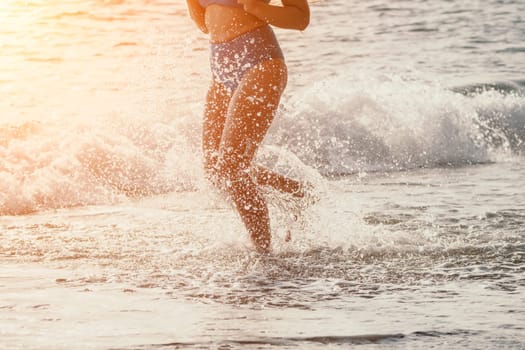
(52,165)
(336,127)
(348,125)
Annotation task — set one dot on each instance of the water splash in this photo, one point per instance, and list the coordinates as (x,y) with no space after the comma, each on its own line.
(336,127)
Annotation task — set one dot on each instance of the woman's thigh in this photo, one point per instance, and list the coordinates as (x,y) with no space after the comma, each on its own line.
(251,110)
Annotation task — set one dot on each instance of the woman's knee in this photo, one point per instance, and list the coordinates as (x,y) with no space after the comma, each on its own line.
(224,170)
(230,165)
(211,171)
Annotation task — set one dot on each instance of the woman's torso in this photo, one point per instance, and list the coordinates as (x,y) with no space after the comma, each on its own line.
(227,22)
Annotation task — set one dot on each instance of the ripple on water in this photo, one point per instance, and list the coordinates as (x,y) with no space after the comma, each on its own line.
(298,278)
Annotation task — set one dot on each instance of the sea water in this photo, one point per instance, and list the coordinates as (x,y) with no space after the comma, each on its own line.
(408,117)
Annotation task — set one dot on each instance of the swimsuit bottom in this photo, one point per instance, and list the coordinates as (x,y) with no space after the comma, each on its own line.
(230,60)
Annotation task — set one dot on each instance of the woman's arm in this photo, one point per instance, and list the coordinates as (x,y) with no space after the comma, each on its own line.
(294,14)
(197,14)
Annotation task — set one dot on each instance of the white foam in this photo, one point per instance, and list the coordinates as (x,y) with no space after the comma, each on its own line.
(338,126)
(352,124)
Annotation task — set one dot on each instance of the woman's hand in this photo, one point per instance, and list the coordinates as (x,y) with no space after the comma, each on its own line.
(249,5)
(294,14)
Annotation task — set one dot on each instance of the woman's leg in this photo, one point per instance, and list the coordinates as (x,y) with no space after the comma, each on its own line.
(217,101)
(266,177)
(216,107)
(250,113)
